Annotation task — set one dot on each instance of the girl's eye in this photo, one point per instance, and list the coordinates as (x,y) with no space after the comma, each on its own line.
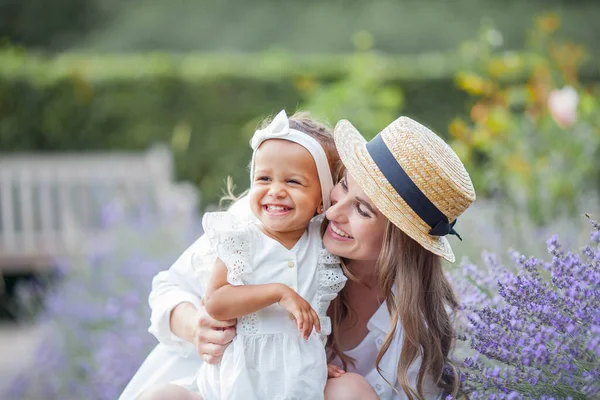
(293,181)
(262,178)
(361,212)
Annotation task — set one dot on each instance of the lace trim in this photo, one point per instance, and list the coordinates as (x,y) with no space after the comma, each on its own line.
(230,237)
(331,281)
(248,324)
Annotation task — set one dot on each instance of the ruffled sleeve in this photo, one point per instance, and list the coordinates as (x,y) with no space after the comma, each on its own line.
(230,237)
(331,281)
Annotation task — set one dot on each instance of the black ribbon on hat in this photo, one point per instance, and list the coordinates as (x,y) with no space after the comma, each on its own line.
(406,188)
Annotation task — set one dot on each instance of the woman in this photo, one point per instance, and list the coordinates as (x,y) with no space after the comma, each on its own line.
(400,196)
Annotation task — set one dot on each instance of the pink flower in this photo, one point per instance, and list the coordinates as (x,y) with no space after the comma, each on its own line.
(562,104)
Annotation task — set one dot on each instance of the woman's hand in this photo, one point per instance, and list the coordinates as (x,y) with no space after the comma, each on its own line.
(333,371)
(209,336)
(300,310)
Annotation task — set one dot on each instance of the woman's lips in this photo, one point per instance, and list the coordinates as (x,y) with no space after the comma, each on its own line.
(337,233)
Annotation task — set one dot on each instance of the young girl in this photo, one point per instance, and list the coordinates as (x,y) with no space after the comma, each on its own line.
(274,275)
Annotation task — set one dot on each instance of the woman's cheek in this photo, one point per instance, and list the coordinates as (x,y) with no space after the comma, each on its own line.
(371,239)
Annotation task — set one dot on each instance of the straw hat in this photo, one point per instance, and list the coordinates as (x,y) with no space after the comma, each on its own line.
(412,176)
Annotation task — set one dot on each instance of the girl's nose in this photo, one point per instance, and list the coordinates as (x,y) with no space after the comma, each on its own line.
(277,190)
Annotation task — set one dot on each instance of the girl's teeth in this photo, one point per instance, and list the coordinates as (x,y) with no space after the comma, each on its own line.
(276,208)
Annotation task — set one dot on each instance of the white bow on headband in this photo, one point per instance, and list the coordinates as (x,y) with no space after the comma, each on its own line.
(279,128)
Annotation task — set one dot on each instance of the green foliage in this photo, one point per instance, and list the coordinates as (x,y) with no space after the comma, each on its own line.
(326,26)
(205,107)
(363,95)
(35,23)
(533,140)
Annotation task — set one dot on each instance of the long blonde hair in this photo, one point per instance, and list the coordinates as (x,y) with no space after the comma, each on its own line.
(417,294)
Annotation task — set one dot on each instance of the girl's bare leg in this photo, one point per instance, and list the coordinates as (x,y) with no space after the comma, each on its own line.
(168,392)
(349,386)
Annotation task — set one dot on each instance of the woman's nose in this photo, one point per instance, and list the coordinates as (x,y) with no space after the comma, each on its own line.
(336,212)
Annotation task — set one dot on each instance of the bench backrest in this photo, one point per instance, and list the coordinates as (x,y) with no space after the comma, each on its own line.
(49,203)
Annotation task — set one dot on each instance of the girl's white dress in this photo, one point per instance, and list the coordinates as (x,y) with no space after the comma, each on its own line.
(269,359)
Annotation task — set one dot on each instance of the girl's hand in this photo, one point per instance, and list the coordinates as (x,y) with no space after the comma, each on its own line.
(333,371)
(306,317)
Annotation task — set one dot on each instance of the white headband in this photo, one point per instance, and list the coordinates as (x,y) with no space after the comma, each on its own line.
(279,128)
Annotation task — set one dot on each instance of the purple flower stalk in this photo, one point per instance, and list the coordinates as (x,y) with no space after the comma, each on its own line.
(537,334)
(95,322)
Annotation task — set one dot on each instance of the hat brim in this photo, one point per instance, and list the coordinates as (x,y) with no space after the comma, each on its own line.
(351,146)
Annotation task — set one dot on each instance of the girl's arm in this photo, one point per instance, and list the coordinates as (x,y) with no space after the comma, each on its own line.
(224,301)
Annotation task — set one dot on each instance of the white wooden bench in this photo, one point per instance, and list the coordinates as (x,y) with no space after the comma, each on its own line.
(50,203)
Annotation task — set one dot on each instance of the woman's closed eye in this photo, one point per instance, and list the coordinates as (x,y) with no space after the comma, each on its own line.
(357,204)
(361,211)
(344,184)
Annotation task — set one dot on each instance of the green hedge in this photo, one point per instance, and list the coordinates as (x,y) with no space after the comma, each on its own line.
(90,101)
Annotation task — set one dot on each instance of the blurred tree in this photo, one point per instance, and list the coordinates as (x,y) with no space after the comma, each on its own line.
(54,26)
(397,26)
(363,95)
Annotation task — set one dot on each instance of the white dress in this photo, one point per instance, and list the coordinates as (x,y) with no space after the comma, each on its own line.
(174,360)
(269,358)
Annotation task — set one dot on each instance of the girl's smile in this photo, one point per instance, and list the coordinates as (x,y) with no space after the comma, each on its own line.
(285,192)
(277,209)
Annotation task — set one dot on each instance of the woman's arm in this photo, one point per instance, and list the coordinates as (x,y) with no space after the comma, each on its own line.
(179,319)
(224,301)
(179,285)
(184,283)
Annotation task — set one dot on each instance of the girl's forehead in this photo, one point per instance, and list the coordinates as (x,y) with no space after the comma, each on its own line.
(289,159)
(278,144)
(283,152)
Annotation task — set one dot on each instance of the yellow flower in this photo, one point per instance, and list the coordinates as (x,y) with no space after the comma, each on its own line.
(520,166)
(479,113)
(548,23)
(474,84)
(305,83)
(497,67)
(458,129)
(498,120)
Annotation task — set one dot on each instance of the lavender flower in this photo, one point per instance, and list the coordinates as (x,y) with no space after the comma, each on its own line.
(95,322)
(538,334)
